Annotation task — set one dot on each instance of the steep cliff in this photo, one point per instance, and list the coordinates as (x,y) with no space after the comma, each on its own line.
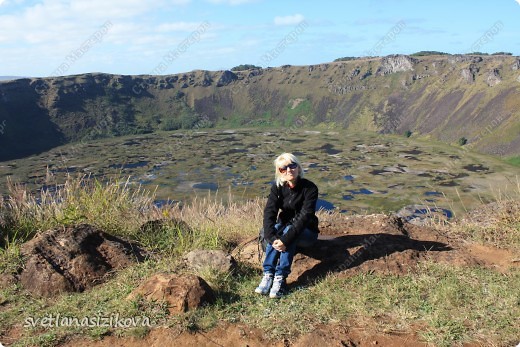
(444,97)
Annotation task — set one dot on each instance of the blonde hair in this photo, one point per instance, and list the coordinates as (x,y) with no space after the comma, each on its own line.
(284,159)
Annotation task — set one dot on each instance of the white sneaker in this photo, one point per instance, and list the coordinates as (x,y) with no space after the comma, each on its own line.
(279,287)
(265,284)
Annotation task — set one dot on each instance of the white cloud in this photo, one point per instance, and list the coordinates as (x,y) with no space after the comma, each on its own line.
(518,1)
(49,30)
(289,20)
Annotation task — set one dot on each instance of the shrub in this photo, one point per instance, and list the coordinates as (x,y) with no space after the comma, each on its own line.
(462,141)
(345,59)
(170,124)
(426,53)
(242,67)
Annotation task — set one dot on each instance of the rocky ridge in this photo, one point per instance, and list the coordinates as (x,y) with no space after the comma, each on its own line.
(444,97)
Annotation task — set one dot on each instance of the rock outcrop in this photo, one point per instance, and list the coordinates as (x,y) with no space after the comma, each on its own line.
(396,63)
(181,292)
(226,78)
(468,74)
(493,78)
(73,259)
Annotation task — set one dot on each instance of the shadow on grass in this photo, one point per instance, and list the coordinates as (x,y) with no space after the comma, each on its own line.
(336,254)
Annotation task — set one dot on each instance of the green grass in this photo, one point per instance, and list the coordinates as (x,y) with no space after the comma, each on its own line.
(446,305)
(513,161)
(175,161)
(301,114)
(453,305)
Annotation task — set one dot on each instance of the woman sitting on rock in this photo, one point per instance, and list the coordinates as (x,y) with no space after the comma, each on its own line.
(289,222)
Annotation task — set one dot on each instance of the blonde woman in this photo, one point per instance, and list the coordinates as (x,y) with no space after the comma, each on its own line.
(289,221)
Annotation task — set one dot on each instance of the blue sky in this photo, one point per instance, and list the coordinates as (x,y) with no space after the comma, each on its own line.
(64,37)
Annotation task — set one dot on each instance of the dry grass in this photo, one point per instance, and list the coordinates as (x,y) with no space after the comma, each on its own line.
(497,223)
(115,207)
(120,208)
(232,220)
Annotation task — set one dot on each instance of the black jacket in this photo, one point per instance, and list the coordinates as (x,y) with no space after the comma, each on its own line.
(297,205)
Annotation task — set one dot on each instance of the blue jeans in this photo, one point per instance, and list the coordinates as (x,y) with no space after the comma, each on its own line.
(279,263)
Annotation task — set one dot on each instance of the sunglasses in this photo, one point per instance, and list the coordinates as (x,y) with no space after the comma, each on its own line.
(290,166)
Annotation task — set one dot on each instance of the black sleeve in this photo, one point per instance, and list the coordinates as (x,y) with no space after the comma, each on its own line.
(271,214)
(304,216)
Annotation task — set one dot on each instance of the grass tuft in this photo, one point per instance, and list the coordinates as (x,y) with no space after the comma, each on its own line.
(496,223)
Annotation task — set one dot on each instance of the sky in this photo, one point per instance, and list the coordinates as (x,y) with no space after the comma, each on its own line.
(132,37)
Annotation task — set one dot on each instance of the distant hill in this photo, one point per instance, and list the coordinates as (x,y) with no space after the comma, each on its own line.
(8,78)
(446,97)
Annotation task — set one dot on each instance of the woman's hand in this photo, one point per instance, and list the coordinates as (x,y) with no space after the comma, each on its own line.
(279,246)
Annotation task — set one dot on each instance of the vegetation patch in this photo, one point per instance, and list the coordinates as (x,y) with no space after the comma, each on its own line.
(514,161)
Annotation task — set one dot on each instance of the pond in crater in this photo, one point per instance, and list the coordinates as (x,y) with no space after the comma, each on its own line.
(212,186)
(361,191)
(324,205)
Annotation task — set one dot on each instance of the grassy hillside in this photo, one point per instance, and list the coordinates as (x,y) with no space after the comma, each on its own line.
(443,300)
(444,97)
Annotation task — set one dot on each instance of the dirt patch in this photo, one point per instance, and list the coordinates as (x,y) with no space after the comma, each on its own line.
(391,245)
(375,243)
(223,335)
(12,335)
(241,335)
(379,244)
(342,336)
(501,259)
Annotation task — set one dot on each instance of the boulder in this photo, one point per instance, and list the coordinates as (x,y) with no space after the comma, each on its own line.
(210,259)
(72,259)
(181,292)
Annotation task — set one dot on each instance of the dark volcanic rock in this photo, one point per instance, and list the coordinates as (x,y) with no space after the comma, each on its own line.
(73,259)
(226,78)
